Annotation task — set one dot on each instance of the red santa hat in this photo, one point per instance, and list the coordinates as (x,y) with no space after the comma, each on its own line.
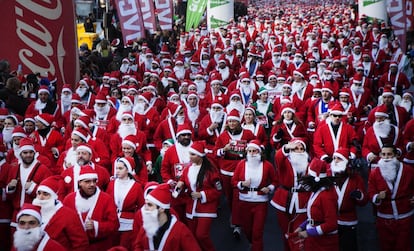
(131,140)
(18,131)
(342,153)
(83,82)
(128,98)
(129,162)
(337,109)
(218,101)
(3,113)
(45,118)
(382,111)
(106,76)
(85,147)
(101,98)
(327,87)
(234,115)
(75,99)
(51,185)
(67,88)
(83,121)
(216,78)
(345,91)
(30,209)
(222,59)
(149,186)
(296,140)
(87,173)
(160,196)
(317,169)
(387,92)
(127,115)
(26,144)
(172,77)
(287,107)
(256,144)
(235,93)
(245,77)
(198,148)
(183,129)
(192,94)
(43,89)
(146,96)
(173,108)
(298,72)
(82,133)
(393,64)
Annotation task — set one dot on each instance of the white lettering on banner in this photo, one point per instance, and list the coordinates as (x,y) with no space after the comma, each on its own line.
(130,25)
(164,16)
(194,5)
(146,15)
(409,13)
(396,10)
(37,37)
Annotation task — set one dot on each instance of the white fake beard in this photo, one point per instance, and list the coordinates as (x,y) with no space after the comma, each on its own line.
(163,150)
(216,116)
(16,149)
(124,68)
(297,61)
(253,160)
(358,90)
(7,134)
(139,108)
(81,92)
(389,168)
(201,86)
(148,64)
(406,104)
(296,86)
(48,209)
(39,105)
(122,108)
(71,158)
(150,222)
(179,72)
(245,88)
(26,239)
(204,63)
(382,128)
(101,111)
(66,99)
(288,121)
(235,105)
(345,105)
(276,60)
(225,73)
(126,129)
(180,120)
(299,161)
(383,43)
(338,167)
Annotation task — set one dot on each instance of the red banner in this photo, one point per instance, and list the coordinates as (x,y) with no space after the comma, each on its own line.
(410,15)
(397,13)
(130,18)
(148,15)
(41,36)
(165,13)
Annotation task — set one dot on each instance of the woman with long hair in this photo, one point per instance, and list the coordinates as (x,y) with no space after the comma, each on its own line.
(128,196)
(251,124)
(201,182)
(287,127)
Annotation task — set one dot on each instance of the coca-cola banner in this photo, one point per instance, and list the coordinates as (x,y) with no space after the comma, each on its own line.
(397,13)
(165,13)
(148,15)
(41,37)
(130,18)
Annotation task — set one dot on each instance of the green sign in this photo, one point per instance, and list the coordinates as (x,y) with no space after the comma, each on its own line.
(369,2)
(216,3)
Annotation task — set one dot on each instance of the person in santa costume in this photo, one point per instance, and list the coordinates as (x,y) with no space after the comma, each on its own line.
(193,111)
(394,78)
(161,230)
(254,179)
(104,112)
(24,178)
(84,156)
(65,101)
(250,123)
(291,162)
(96,209)
(320,229)
(43,105)
(48,140)
(351,192)
(61,223)
(229,150)
(216,90)
(333,134)
(29,236)
(287,127)
(408,142)
(391,190)
(175,160)
(382,132)
(202,186)
(84,90)
(128,197)
(318,110)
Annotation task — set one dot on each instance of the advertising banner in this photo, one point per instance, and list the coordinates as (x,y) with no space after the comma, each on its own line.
(219,13)
(373,9)
(397,13)
(164,13)
(195,10)
(41,37)
(130,18)
(148,15)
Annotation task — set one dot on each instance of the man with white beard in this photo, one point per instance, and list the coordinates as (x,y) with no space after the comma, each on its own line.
(381,133)
(391,189)
(104,112)
(193,110)
(236,103)
(59,222)
(29,236)
(200,82)
(161,230)
(227,74)
(292,161)
(127,103)
(360,97)
(87,98)
(43,104)
(350,188)
(407,102)
(180,72)
(213,125)
(65,101)
(247,89)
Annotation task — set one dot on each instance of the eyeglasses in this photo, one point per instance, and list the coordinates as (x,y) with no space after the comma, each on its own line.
(336,115)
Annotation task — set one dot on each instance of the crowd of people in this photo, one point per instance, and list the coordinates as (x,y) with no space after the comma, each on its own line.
(288,105)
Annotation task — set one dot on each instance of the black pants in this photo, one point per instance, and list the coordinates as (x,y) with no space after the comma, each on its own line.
(347,238)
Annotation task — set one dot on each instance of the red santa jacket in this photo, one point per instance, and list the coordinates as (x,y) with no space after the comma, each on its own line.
(265,173)
(373,143)
(177,238)
(295,131)
(167,129)
(45,144)
(258,131)
(325,143)
(401,116)
(287,198)
(210,191)
(66,228)
(46,244)
(408,139)
(148,122)
(210,136)
(102,212)
(141,150)
(396,204)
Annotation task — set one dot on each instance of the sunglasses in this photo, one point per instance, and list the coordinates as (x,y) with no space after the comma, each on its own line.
(336,116)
